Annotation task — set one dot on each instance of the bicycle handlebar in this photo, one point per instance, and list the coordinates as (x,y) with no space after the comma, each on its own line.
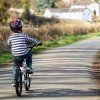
(38,44)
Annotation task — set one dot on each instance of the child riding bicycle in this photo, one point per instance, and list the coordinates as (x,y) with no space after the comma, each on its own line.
(18,42)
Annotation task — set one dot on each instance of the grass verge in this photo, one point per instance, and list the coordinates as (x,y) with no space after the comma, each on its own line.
(6,58)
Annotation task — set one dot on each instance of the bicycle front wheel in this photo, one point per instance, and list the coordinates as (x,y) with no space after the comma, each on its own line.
(18,82)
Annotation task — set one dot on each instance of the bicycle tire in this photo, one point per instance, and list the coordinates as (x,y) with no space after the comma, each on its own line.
(18,82)
(27,82)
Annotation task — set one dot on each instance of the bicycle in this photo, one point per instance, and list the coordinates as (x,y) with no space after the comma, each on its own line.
(22,75)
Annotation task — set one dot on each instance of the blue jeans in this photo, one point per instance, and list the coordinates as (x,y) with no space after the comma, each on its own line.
(19,60)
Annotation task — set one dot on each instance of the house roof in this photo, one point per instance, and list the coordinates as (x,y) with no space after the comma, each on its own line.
(58,10)
(78,9)
(53,10)
(84,2)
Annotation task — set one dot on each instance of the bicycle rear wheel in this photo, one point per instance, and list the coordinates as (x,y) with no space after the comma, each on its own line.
(18,82)
(27,81)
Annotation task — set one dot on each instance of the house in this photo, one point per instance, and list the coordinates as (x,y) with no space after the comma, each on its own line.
(93,6)
(79,11)
(76,13)
(56,13)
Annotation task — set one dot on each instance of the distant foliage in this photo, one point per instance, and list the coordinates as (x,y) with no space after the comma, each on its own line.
(97,1)
(19,3)
(26,15)
(4,7)
(15,3)
(42,4)
(25,3)
(36,21)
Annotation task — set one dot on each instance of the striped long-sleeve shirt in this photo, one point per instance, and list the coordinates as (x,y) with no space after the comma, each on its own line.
(18,43)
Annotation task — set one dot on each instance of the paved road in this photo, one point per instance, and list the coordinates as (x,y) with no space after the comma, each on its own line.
(60,74)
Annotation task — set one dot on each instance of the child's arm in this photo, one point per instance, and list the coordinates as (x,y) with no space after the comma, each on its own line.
(9,41)
(34,41)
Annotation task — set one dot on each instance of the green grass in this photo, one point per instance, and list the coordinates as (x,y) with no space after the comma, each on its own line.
(64,40)
(5,58)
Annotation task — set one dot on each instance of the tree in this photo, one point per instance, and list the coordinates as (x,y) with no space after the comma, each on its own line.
(4,7)
(26,15)
(25,3)
(42,4)
(16,3)
(97,0)
(32,4)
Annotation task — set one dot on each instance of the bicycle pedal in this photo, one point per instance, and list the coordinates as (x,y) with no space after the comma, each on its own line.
(13,84)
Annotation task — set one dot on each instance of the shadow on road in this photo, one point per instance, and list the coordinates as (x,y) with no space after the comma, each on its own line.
(63,92)
(6,71)
(54,79)
(56,93)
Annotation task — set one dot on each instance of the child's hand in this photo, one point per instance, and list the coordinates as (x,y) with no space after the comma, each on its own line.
(39,43)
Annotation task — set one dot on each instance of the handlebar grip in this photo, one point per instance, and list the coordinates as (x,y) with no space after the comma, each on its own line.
(39,44)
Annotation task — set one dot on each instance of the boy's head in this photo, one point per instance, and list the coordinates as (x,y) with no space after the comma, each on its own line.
(16,26)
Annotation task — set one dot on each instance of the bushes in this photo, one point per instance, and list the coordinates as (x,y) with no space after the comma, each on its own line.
(42,4)
(35,21)
(53,31)
(4,7)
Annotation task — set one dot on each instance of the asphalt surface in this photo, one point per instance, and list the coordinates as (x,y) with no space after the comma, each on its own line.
(62,73)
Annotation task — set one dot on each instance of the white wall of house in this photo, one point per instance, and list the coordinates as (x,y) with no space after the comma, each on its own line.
(47,13)
(94,6)
(71,15)
(63,15)
(76,15)
(87,15)
(55,15)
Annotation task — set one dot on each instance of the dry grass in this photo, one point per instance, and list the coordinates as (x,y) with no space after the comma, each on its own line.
(53,31)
